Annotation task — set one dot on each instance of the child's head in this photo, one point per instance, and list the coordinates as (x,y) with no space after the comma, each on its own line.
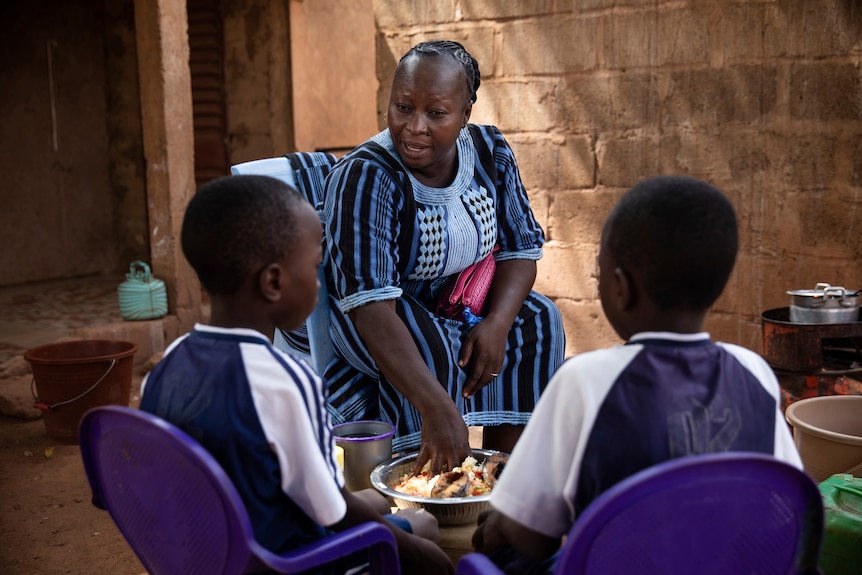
(258,234)
(675,239)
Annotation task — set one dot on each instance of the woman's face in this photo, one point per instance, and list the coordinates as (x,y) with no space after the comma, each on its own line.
(428,106)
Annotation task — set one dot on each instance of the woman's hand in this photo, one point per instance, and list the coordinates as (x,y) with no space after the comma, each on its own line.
(484,346)
(445,439)
(482,354)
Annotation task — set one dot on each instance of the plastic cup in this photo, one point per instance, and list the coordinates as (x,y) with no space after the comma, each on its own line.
(366,444)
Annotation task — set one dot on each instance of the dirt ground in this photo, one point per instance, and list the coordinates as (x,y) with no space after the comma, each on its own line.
(48,525)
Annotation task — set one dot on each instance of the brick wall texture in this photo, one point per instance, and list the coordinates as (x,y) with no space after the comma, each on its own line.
(761,98)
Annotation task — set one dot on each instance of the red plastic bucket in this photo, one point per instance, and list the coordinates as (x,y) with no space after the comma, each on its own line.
(73,376)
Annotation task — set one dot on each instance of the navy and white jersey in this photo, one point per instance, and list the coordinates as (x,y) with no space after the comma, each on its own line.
(610,413)
(262,414)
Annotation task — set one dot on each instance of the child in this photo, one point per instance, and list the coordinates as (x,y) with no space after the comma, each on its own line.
(667,250)
(255,244)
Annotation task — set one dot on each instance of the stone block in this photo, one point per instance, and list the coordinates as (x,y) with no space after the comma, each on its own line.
(808,161)
(564,272)
(748,21)
(577,163)
(749,157)
(536,158)
(588,5)
(809,29)
(754,31)
(388,50)
(709,97)
(624,161)
(848,161)
(825,91)
(607,101)
(540,201)
(654,37)
(484,10)
(577,216)
(555,162)
(394,14)
(520,105)
(477,40)
(586,326)
(829,231)
(812,232)
(702,155)
(550,45)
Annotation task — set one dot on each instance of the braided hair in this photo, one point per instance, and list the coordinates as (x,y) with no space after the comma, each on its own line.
(454,50)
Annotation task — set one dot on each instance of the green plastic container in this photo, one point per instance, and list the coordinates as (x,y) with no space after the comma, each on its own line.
(142,296)
(841,553)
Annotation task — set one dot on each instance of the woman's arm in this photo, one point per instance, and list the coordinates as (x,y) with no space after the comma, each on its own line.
(484,346)
(445,439)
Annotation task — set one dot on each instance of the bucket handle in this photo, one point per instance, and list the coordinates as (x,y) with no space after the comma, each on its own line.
(41,405)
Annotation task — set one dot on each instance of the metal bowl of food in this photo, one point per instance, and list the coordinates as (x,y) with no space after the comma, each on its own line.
(452,502)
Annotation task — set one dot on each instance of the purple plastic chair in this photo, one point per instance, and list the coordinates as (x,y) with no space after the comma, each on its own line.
(723,513)
(180,512)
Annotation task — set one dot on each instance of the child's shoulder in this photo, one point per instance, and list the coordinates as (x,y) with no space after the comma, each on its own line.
(750,359)
(590,367)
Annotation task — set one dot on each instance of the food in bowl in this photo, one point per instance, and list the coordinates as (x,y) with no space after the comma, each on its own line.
(449,510)
(470,479)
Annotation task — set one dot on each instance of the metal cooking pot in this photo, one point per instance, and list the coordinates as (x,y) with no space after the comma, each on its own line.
(824,304)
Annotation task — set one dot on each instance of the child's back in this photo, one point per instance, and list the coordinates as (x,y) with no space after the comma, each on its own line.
(255,244)
(257,410)
(667,250)
(254,408)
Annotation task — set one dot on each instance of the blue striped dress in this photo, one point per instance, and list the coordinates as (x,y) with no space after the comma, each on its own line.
(389,237)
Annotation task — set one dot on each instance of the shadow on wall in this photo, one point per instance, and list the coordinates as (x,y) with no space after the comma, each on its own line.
(853,11)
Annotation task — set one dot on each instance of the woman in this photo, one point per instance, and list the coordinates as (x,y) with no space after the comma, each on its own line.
(403,213)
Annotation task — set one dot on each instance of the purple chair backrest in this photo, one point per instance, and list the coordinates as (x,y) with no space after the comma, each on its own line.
(180,512)
(723,513)
(717,513)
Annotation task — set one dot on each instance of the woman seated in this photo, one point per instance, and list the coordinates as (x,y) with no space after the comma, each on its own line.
(404,213)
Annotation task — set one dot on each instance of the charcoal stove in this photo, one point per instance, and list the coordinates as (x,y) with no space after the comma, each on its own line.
(811,360)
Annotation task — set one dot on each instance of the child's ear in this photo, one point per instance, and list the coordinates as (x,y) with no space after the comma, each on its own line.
(271,282)
(626,291)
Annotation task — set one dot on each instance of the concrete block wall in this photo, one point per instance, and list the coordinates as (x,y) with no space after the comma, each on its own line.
(763,98)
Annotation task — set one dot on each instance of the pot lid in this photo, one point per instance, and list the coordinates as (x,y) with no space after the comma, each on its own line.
(822,290)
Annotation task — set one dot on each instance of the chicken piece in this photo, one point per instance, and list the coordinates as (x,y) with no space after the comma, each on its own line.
(451,484)
(493,467)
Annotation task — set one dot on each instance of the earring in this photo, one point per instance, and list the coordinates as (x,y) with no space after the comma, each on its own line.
(386,118)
